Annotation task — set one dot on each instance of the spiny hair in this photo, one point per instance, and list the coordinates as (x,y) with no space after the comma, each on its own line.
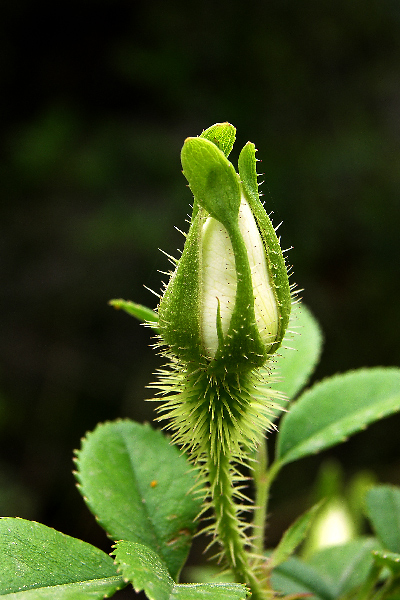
(218,421)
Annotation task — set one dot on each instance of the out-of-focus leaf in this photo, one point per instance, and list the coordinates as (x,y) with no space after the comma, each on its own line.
(391,560)
(293,537)
(346,566)
(383,510)
(296,577)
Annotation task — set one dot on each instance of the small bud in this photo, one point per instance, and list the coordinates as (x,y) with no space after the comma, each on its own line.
(227,304)
(219,281)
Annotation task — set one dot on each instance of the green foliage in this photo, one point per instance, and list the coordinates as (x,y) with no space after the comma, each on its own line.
(146,571)
(212,179)
(138,487)
(300,352)
(39,563)
(330,573)
(295,362)
(346,566)
(297,577)
(292,538)
(390,560)
(336,408)
(383,510)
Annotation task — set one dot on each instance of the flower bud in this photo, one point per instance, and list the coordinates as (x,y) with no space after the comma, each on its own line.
(228,301)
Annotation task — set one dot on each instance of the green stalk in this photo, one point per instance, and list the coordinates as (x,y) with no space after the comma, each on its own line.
(228,529)
(263,479)
(261,499)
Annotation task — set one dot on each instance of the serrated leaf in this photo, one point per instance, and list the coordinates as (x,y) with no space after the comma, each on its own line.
(39,563)
(293,537)
(138,486)
(295,362)
(335,408)
(345,567)
(300,353)
(383,510)
(223,135)
(296,577)
(146,571)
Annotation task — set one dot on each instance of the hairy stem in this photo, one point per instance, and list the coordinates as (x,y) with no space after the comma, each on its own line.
(228,528)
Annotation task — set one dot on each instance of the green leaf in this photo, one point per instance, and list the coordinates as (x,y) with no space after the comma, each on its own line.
(335,408)
(39,563)
(142,313)
(223,135)
(146,571)
(296,577)
(293,537)
(390,560)
(347,566)
(298,359)
(383,510)
(294,363)
(138,486)
(207,573)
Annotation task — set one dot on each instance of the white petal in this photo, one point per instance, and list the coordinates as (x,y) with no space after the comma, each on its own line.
(218,282)
(265,306)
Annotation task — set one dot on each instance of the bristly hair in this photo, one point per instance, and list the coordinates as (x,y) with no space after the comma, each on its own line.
(219,423)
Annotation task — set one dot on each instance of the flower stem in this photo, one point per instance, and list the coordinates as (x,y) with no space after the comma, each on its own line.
(228,528)
(263,479)
(261,499)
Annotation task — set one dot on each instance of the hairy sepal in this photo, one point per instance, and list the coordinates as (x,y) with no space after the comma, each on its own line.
(179,309)
(209,416)
(275,260)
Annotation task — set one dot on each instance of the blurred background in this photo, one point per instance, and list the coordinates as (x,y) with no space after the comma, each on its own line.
(97,98)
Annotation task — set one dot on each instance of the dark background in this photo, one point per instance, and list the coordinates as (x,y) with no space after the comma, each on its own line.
(96,100)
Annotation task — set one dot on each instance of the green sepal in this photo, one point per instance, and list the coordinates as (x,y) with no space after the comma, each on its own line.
(223,135)
(140,312)
(243,348)
(212,179)
(179,308)
(275,260)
